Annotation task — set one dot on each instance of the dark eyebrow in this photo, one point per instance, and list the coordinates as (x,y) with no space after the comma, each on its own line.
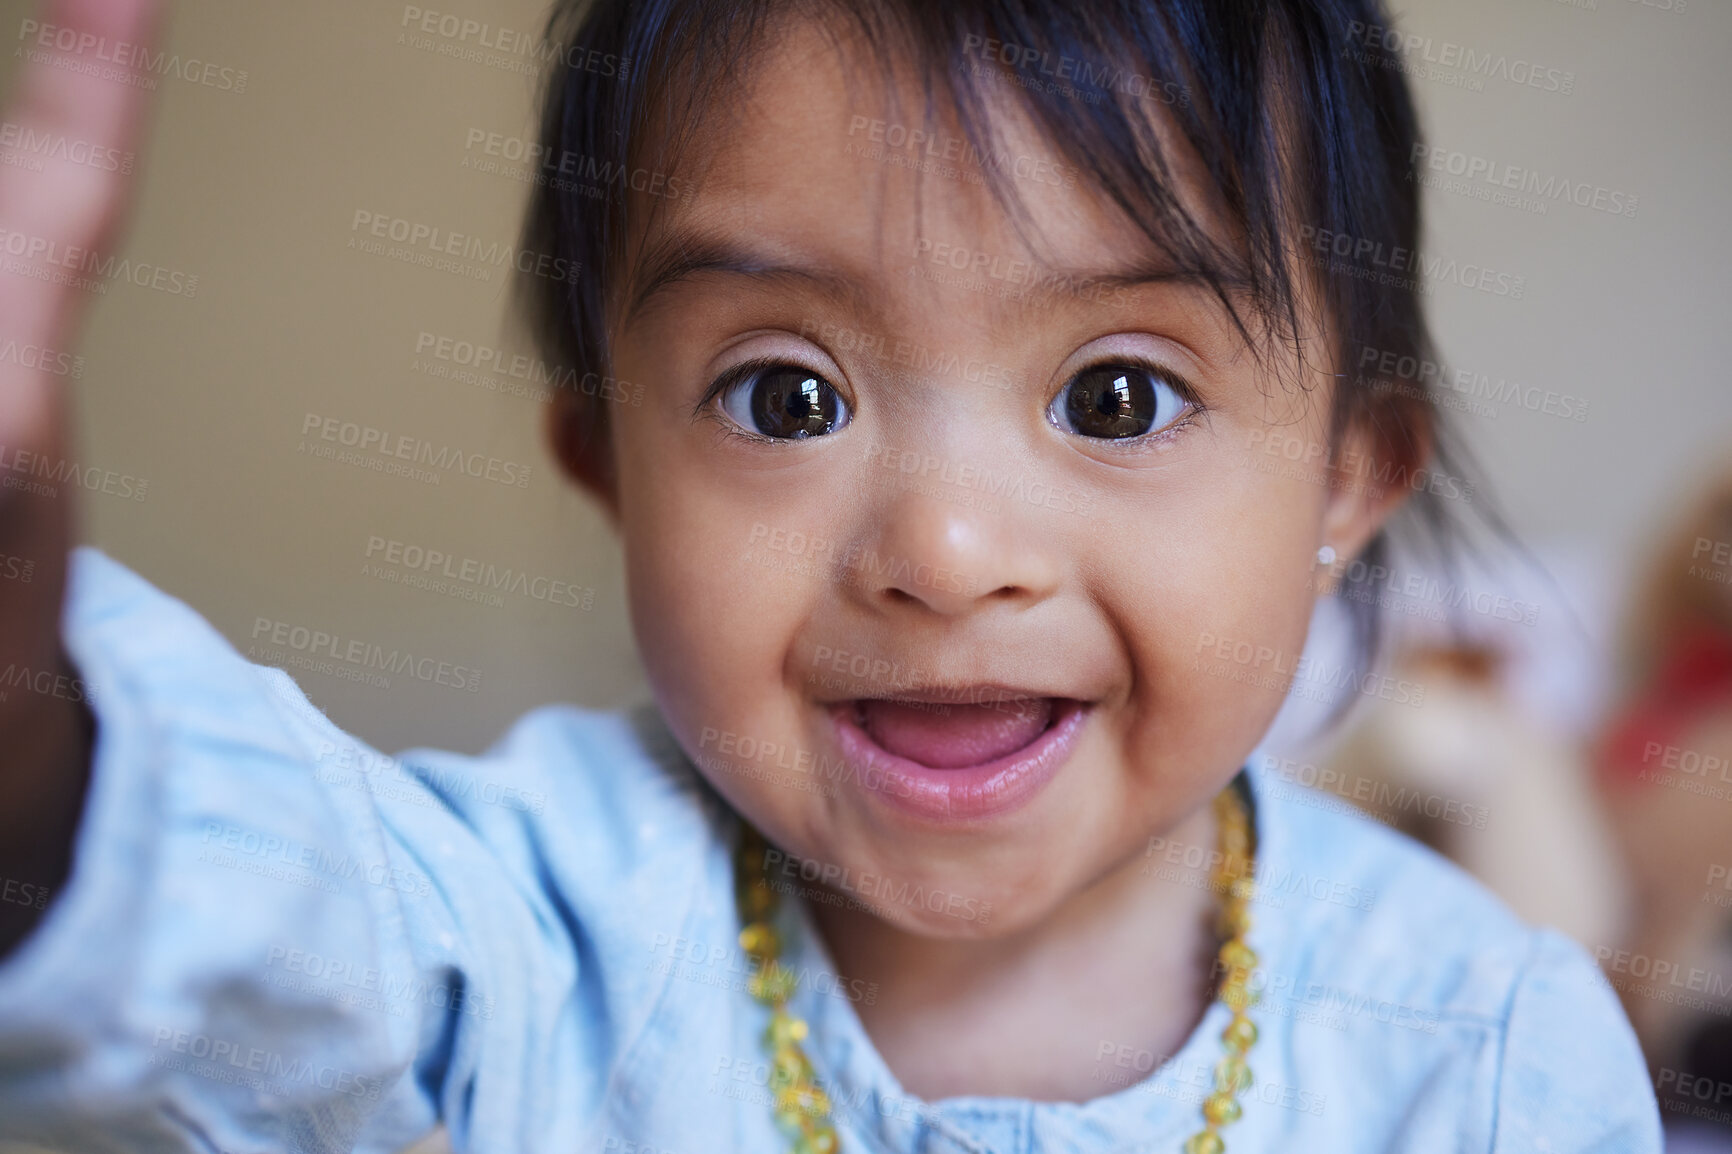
(681,256)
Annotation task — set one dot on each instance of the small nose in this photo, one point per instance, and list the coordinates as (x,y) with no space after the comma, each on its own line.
(946,558)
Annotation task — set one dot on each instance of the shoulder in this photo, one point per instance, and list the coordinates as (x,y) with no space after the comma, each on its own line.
(1433,970)
(597,808)
(1571,1063)
(611,781)
(1380,911)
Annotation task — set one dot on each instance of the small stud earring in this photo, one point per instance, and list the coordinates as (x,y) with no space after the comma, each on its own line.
(1326,555)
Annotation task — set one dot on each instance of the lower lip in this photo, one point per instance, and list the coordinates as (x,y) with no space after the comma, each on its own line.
(967,793)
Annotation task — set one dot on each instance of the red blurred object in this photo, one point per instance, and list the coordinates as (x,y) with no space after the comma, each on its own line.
(1693,679)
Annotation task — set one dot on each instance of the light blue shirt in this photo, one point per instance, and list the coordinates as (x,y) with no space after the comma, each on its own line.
(275,938)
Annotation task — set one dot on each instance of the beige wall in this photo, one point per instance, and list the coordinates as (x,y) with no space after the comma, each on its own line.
(255,193)
(1627,313)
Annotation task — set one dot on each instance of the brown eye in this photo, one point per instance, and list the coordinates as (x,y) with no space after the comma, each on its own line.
(1115,402)
(785,402)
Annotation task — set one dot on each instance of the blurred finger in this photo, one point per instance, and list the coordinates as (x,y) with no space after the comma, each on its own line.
(81,95)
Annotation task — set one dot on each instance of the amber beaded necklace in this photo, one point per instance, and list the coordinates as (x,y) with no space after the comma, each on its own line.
(801,1106)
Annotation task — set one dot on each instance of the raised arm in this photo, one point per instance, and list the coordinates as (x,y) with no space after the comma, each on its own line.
(243,928)
(49,220)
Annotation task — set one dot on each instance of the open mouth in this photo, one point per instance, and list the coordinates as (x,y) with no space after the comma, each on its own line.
(954,735)
(957,759)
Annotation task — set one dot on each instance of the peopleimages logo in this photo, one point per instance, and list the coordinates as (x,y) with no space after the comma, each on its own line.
(1396,368)
(1414,49)
(564,169)
(870,886)
(418,566)
(726,965)
(39,474)
(413,451)
(87,269)
(41,359)
(316,644)
(520,366)
(1384,796)
(1075,75)
(1471,169)
(279,1073)
(426,244)
(134,64)
(25,141)
(511,49)
(826,554)
(979,479)
(1368,259)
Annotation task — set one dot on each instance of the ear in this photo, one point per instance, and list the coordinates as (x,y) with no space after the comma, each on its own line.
(584,451)
(1373,474)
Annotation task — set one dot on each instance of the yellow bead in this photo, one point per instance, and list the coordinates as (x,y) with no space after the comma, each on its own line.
(1238,955)
(789,1067)
(1232,1076)
(785,1031)
(1235,921)
(774,984)
(760,938)
(1205,1142)
(1236,997)
(1220,1109)
(805,1101)
(821,1140)
(1240,1034)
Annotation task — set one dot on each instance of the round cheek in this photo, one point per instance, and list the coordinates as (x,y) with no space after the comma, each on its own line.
(714,614)
(1217,619)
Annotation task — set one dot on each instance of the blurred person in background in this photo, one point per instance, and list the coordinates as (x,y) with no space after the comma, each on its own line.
(1665,772)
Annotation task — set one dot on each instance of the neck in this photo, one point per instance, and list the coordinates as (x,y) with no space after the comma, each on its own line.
(1049,1012)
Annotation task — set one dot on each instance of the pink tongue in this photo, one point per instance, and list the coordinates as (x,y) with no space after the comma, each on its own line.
(947,736)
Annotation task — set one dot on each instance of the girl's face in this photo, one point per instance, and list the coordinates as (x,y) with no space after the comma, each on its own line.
(962,561)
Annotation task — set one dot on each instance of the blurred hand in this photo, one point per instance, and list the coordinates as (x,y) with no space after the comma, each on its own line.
(71,100)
